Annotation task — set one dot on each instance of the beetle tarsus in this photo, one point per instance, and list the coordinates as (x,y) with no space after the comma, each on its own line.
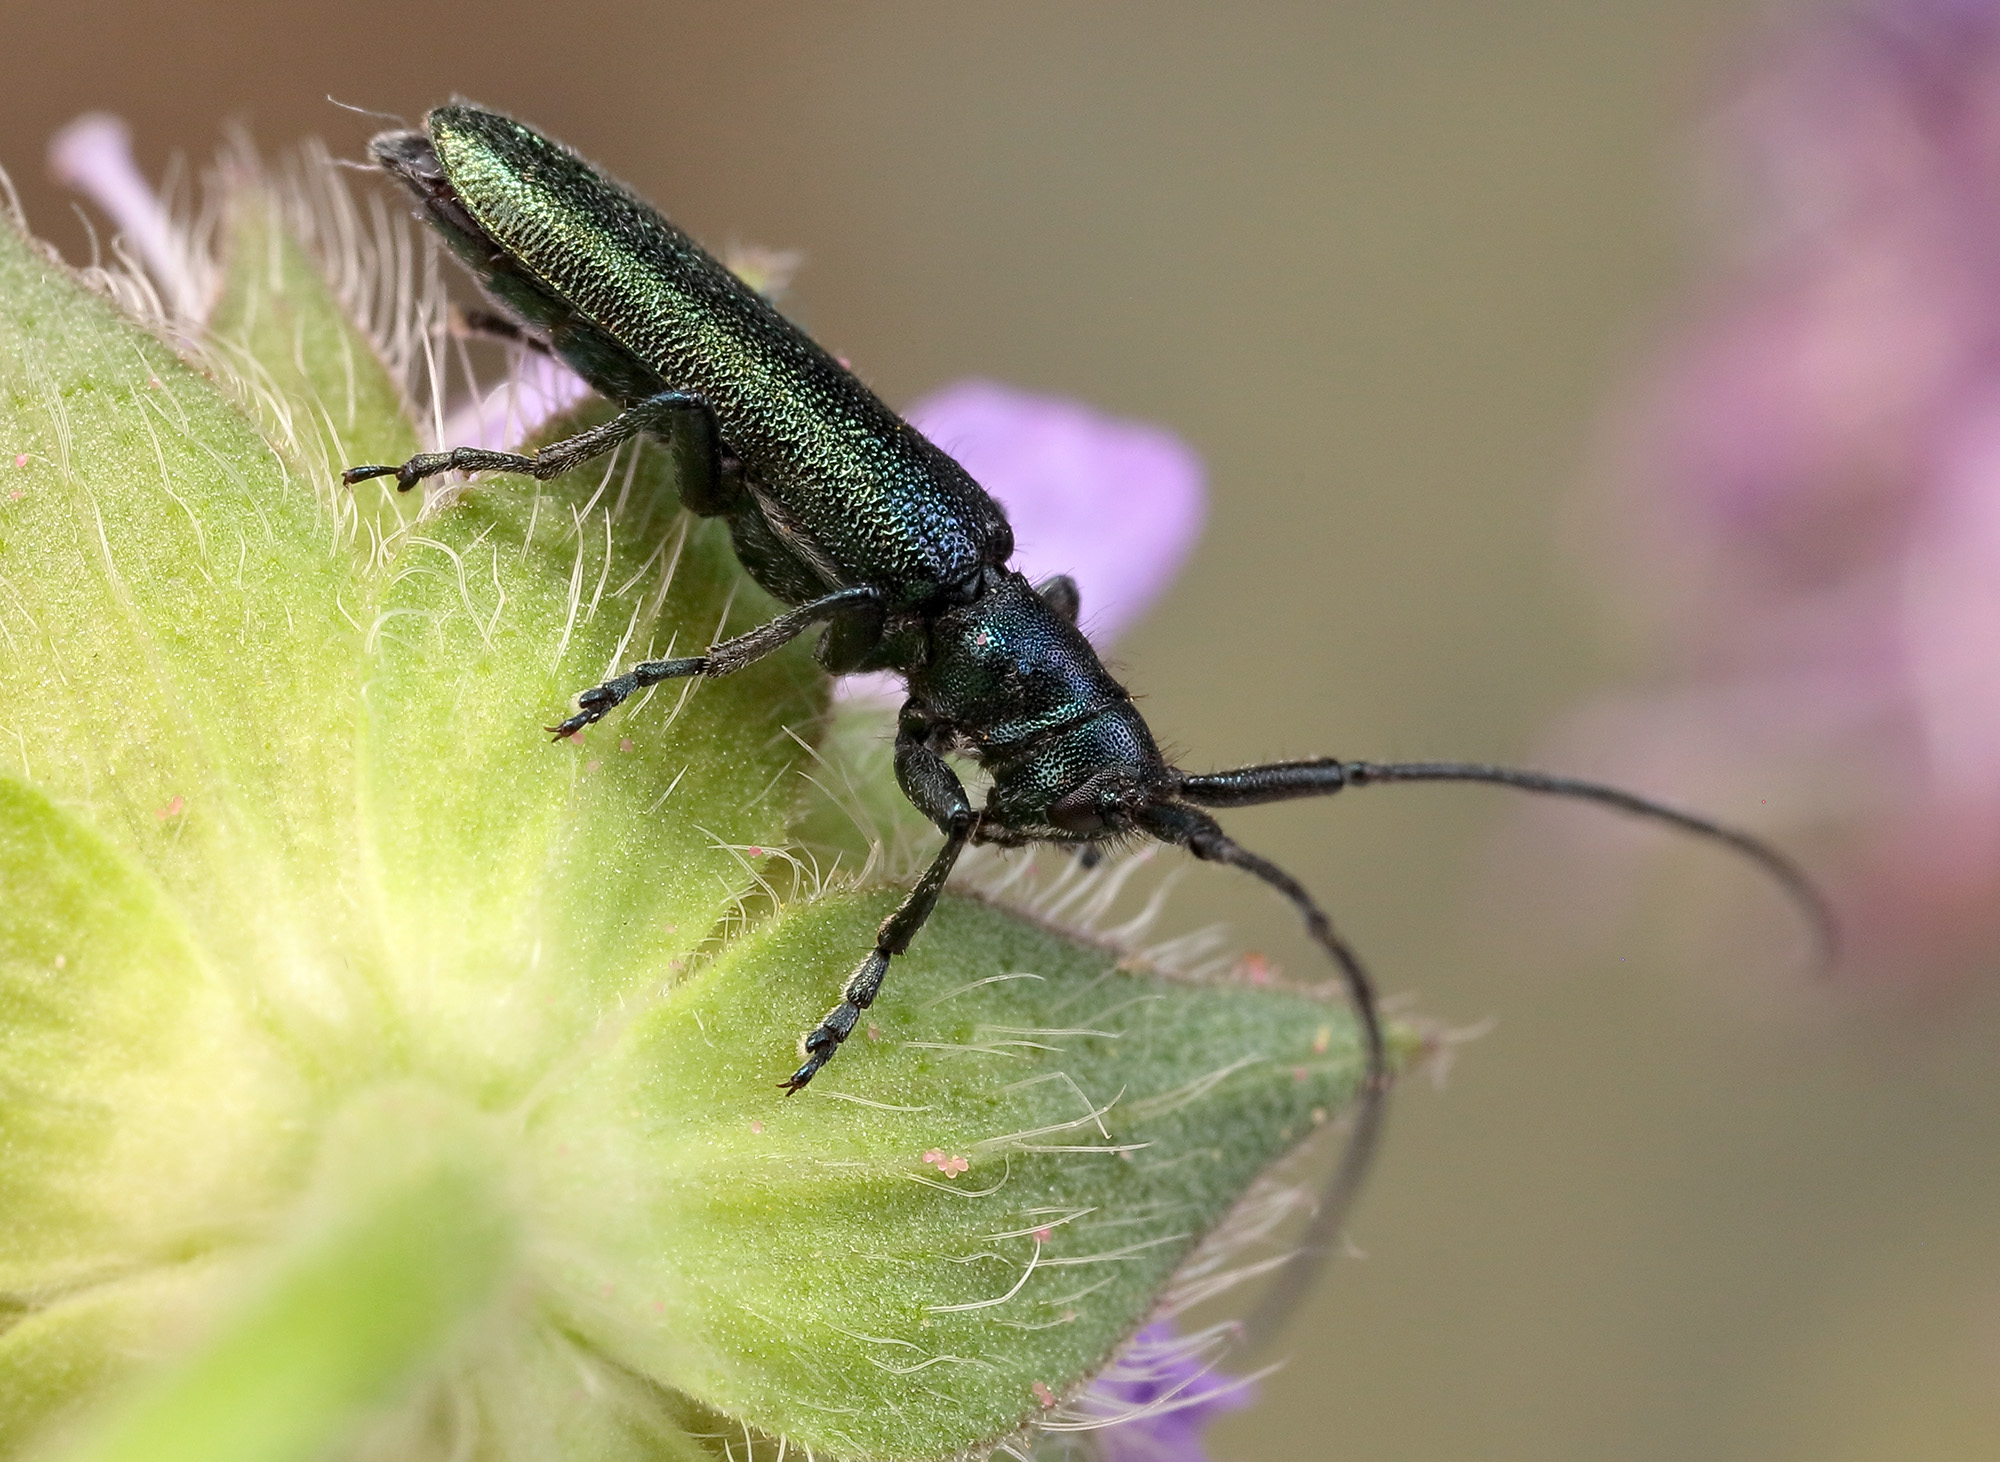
(823,1040)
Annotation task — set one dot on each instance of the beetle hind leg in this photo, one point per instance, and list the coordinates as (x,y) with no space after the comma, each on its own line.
(661,416)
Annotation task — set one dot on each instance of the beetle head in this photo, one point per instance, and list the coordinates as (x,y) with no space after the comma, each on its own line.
(1087,783)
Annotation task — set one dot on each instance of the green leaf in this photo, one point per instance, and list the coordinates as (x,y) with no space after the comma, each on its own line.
(142,1118)
(853,815)
(407,1237)
(533,1393)
(820,1265)
(179,667)
(61,1357)
(293,354)
(278,323)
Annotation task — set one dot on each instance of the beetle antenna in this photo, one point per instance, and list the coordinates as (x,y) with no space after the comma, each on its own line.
(1202,836)
(1279,781)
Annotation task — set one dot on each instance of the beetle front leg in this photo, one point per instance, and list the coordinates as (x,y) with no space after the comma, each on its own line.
(929,782)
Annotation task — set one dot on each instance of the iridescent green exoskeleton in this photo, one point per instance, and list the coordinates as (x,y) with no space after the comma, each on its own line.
(841,509)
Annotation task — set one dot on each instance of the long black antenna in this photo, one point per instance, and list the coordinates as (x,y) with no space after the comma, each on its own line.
(1279,781)
(1202,836)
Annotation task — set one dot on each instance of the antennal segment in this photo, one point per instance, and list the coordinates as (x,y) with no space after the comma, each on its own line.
(1281,781)
(1202,836)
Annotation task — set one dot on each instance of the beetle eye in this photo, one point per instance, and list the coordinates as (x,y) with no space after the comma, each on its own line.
(1077,813)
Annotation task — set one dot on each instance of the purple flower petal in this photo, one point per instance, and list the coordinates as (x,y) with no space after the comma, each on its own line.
(1115,504)
(539,388)
(93,155)
(1152,1403)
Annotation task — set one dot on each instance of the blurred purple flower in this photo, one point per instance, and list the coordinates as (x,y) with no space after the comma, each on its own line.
(1815,466)
(1153,1402)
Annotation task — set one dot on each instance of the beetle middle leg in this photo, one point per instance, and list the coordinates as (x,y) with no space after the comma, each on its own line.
(658,416)
(723,658)
(930,783)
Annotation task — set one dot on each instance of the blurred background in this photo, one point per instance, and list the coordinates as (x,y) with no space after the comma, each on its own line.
(1415,278)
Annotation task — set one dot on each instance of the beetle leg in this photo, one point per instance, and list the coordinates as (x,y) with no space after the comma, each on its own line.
(929,782)
(722,659)
(658,416)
